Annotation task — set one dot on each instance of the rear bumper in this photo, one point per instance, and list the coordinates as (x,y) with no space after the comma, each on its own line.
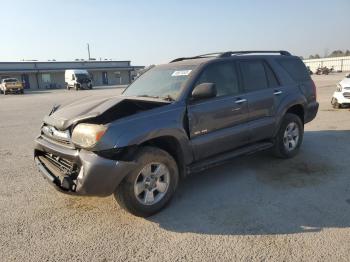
(311,111)
(97,176)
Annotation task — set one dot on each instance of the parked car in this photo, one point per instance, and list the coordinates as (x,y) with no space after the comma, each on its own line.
(11,85)
(176,119)
(341,96)
(309,70)
(77,79)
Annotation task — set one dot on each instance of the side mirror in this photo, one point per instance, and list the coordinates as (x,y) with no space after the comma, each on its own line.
(204,91)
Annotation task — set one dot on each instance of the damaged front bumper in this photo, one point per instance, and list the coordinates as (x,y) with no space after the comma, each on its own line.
(78,172)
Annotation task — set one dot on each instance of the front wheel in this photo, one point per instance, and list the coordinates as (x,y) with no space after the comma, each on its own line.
(289,136)
(335,103)
(150,186)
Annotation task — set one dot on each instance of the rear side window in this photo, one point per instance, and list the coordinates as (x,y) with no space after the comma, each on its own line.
(224,76)
(271,77)
(295,68)
(253,74)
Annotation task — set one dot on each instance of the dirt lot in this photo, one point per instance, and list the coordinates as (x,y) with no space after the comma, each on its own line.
(255,208)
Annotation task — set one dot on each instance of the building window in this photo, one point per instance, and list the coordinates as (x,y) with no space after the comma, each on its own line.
(46,78)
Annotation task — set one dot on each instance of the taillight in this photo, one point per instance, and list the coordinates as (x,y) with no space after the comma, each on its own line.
(314,89)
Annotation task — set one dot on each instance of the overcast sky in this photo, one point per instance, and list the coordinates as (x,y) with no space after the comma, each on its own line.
(153,32)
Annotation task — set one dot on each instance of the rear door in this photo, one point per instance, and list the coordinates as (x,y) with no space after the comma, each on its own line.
(258,82)
(217,125)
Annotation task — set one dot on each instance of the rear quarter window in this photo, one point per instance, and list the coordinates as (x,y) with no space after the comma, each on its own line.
(295,68)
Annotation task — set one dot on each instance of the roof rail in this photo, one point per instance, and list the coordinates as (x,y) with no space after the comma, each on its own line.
(197,56)
(230,53)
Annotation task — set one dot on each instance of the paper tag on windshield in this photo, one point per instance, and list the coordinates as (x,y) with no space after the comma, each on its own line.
(181,73)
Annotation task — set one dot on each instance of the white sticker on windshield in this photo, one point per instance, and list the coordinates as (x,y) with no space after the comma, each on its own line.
(181,73)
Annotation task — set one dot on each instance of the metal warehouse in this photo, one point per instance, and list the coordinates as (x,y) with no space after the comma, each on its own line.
(50,74)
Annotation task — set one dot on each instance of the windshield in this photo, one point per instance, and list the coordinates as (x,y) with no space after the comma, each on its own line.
(10,80)
(160,82)
(82,76)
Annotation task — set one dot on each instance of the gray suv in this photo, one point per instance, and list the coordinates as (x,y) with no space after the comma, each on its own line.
(176,119)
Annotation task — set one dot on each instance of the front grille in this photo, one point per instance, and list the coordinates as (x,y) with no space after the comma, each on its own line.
(50,133)
(346,94)
(57,140)
(64,166)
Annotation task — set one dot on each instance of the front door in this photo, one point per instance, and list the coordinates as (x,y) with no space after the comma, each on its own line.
(25,81)
(218,124)
(104,78)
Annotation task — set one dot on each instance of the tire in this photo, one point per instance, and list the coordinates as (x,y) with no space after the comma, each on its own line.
(5,93)
(22,92)
(335,103)
(76,88)
(288,146)
(133,198)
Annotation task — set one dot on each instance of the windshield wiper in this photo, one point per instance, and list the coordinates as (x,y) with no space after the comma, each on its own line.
(148,96)
(168,98)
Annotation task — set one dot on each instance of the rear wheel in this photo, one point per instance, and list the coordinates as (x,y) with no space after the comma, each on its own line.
(22,91)
(150,186)
(289,137)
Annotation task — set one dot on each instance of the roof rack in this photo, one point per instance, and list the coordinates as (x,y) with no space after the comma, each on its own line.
(197,56)
(231,53)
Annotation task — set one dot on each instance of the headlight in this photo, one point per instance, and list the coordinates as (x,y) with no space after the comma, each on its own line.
(339,88)
(87,135)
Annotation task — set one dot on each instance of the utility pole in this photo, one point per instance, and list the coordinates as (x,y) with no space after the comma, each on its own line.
(88,48)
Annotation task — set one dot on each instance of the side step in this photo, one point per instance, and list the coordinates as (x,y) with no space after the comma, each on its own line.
(225,157)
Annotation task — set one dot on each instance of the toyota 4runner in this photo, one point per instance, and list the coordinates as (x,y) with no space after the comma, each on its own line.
(175,119)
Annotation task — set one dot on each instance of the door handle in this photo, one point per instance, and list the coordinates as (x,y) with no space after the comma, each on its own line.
(277,92)
(240,101)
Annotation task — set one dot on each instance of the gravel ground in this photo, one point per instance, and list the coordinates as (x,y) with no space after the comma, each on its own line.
(255,208)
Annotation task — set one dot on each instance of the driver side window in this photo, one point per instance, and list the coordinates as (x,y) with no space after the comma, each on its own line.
(223,75)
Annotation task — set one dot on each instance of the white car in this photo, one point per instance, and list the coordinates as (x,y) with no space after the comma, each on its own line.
(341,96)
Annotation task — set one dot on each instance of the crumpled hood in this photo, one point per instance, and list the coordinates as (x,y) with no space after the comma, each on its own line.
(85,108)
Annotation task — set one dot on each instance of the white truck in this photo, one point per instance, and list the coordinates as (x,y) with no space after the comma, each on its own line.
(341,96)
(77,79)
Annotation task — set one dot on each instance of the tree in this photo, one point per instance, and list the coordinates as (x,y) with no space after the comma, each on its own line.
(317,56)
(336,53)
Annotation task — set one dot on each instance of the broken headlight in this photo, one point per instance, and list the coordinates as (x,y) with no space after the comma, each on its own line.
(87,135)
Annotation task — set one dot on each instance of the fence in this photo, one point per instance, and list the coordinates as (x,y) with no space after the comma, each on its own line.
(340,64)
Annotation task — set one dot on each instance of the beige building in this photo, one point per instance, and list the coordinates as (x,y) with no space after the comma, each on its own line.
(43,75)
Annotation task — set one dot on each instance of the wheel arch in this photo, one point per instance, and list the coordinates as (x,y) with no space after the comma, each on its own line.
(172,146)
(298,110)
